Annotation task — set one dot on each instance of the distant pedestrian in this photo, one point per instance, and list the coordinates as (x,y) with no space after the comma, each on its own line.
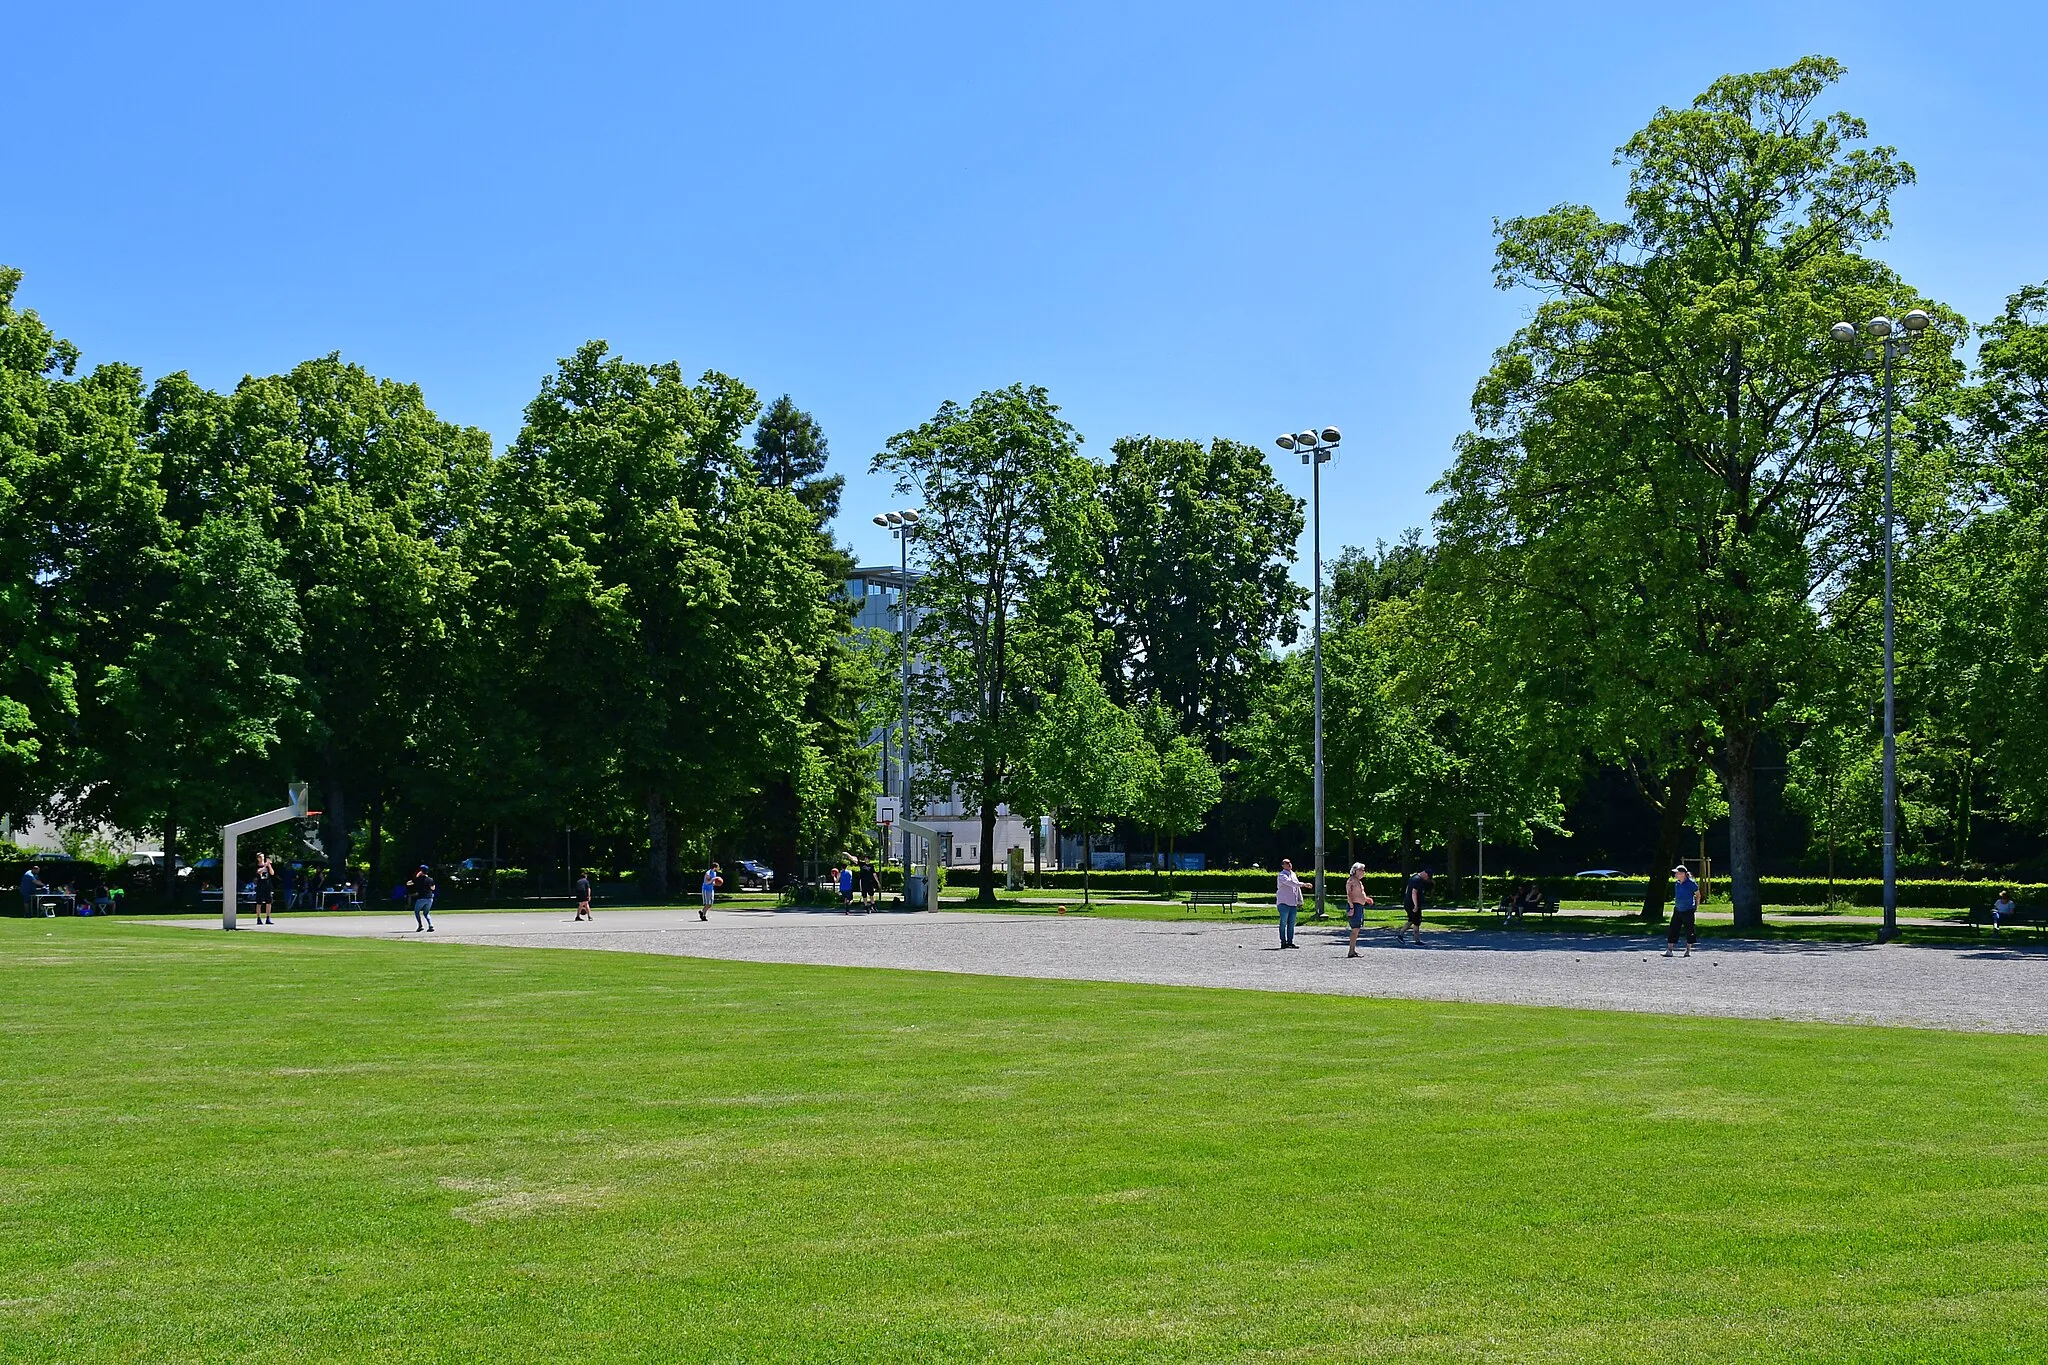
(869,883)
(1412,896)
(1287,896)
(844,879)
(266,888)
(583,897)
(712,881)
(31,890)
(1355,901)
(1685,904)
(420,891)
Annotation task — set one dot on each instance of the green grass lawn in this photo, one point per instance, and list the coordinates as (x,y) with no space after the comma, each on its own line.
(261,1148)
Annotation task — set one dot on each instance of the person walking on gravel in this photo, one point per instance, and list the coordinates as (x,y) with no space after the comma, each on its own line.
(583,898)
(1287,896)
(1356,900)
(1685,904)
(420,891)
(1411,900)
(712,881)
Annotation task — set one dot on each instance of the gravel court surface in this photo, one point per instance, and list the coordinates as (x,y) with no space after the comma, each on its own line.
(1987,988)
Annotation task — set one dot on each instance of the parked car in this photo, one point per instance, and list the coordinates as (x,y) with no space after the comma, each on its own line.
(756,876)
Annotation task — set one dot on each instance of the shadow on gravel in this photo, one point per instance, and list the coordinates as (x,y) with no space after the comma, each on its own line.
(1559,941)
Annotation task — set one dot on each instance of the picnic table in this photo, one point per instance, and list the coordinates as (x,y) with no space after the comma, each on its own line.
(339,898)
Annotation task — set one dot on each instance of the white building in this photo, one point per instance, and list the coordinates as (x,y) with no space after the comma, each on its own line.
(879,593)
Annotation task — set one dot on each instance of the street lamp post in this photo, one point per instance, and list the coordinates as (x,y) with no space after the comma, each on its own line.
(1890,343)
(1482,858)
(1316,448)
(900,524)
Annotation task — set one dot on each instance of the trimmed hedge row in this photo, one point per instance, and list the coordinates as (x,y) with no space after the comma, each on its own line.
(1861,891)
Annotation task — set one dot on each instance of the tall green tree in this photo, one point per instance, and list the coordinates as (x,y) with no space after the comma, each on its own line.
(1004,494)
(790,451)
(668,608)
(1178,786)
(76,499)
(1089,760)
(1669,453)
(196,706)
(1198,544)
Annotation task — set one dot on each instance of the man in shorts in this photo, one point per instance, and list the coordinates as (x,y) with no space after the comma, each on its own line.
(869,883)
(583,898)
(1411,901)
(844,874)
(1685,904)
(1356,900)
(420,891)
(712,881)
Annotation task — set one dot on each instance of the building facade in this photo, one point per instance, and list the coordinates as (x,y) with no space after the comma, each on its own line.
(878,594)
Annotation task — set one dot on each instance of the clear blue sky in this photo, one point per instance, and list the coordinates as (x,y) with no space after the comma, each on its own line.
(1183,219)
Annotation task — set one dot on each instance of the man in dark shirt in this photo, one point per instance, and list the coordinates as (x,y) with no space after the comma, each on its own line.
(420,891)
(31,887)
(1411,901)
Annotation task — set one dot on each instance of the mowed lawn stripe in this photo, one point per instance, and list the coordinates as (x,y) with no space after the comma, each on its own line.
(271,1148)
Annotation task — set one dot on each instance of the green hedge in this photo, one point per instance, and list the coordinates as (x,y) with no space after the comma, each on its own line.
(1920,894)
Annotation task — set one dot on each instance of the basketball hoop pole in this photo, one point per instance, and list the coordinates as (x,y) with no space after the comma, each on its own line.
(230,889)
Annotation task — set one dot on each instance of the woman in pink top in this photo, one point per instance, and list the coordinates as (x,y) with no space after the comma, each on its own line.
(1288,897)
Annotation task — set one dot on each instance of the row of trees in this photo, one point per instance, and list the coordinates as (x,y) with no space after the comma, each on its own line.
(626,622)
(1657,554)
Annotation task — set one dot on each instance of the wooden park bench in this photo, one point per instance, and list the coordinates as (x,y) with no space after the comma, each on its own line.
(2022,917)
(1203,896)
(1509,912)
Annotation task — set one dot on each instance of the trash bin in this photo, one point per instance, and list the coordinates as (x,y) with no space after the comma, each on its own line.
(914,892)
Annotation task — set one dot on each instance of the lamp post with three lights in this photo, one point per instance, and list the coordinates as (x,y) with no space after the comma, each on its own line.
(900,524)
(1316,448)
(1890,343)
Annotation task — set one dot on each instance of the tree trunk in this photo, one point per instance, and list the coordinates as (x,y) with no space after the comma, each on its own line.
(1453,846)
(1407,848)
(987,894)
(1087,865)
(336,836)
(170,858)
(1670,829)
(377,887)
(785,816)
(657,846)
(1745,886)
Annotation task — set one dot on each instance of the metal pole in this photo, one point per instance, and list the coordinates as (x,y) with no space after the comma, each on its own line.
(1891,776)
(1316,458)
(1482,859)
(903,627)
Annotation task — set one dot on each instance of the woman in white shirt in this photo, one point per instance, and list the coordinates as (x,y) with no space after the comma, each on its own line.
(1287,895)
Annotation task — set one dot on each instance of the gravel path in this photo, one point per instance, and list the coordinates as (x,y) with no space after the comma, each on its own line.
(1993,988)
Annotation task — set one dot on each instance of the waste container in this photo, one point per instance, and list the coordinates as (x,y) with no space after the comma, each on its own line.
(914,892)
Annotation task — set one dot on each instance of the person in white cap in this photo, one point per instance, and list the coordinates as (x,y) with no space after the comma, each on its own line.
(1356,900)
(1685,904)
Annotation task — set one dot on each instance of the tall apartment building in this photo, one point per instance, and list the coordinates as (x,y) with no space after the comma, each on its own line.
(879,591)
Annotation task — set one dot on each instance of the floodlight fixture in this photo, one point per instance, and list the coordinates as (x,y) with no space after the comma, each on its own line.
(1879,327)
(1331,436)
(1916,321)
(1285,442)
(1305,438)
(910,517)
(1843,331)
